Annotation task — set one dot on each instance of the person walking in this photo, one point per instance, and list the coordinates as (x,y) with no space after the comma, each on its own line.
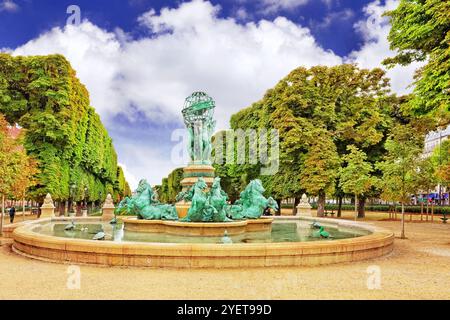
(12,213)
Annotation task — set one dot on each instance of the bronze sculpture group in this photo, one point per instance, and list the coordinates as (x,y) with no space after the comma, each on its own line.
(206,205)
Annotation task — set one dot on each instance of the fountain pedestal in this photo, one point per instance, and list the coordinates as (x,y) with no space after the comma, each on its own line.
(203,229)
(304,208)
(108,208)
(48,209)
(191,173)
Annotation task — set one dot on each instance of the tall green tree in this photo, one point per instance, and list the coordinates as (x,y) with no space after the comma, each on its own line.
(313,108)
(16,167)
(440,160)
(400,167)
(320,169)
(355,177)
(421,32)
(63,132)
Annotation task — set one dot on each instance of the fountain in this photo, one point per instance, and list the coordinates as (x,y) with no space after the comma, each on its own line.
(201,207)
(202,229)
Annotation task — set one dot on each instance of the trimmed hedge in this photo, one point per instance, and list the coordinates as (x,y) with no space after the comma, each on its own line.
(63,132)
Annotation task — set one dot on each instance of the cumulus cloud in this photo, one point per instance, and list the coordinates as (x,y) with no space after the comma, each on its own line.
(189,48)
(332,17)
(131,178)
(375,29)
(270,6)
(193,50)
(93,53)
(8,5)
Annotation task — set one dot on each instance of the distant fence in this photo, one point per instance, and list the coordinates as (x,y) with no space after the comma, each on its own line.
(386,208)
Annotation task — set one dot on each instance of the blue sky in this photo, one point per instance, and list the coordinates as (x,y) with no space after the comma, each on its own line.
(331,21)
(139,58)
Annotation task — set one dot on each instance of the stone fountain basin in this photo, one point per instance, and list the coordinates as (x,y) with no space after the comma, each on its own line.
(30,243)
(205,229)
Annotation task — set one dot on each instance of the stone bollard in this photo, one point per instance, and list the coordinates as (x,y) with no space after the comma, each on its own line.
(108,208)
(47,208)
(304,208)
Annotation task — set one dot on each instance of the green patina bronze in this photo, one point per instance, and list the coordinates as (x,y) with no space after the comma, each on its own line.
(212,206)
(206,206)
(252,203)
(198,113)
(145,205)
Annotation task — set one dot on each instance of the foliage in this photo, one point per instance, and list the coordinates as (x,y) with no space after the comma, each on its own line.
(421,32)
(318,112)
(17,168)
(440,160)
(355,177)
(401,165)
(63,132)
(170,186)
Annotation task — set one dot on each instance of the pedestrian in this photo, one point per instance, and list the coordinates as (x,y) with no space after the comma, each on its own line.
(12,213)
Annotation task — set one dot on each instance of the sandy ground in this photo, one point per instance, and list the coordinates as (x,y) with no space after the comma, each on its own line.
(418,268)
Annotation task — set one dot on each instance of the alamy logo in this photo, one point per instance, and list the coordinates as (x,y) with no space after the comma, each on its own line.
(75,15)
(251,146)
(74,278)
(374,278)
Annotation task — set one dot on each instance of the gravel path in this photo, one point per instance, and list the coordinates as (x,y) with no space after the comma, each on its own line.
(419,268)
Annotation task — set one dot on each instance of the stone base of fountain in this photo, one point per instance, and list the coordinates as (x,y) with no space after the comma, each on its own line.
(191,173)
(206,229)
(27,241)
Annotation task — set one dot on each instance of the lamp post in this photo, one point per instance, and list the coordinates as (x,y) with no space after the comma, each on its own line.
(100,199)
(85,201)
(72,188)
(440,163)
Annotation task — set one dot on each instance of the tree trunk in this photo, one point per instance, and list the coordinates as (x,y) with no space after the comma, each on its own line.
(356,206)
(362,207)
(3,215)
(432,211)
(321,203)
(23,208)
(278,213)
(421,210)
(403,222)
(294,208)
(339,211)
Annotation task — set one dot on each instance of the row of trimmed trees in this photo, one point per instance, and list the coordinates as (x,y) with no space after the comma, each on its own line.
(342,132)
(61,132)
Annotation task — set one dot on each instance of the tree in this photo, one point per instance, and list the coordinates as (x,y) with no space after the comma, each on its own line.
(355,176)
(16,168)
(440,160)
(421,32)
(25,179)
(340,106)
(320,169)
(63,134)
(400,167)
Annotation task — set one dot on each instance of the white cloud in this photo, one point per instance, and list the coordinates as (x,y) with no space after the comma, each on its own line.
(330,3)
(131,178)
(8,5)
(270,6)
(93,53)
(234,63)
(375,30)
(332,17)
